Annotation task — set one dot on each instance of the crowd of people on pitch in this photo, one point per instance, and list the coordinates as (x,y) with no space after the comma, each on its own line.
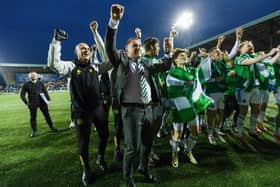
(144,89)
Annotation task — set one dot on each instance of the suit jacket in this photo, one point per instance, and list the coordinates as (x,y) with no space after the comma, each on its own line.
(121,61)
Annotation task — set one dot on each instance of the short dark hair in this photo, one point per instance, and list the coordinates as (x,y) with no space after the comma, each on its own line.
(213,49)
(177,51)
(149,43)
(203,50)
(129,40)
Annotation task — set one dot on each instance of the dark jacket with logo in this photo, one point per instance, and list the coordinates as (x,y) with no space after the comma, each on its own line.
(84,87)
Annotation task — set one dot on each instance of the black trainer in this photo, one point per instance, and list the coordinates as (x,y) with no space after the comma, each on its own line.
(148,177)
(118,155)
(60,34)
(101,163)
(33,133)
(87,177)
(154,156)
(130,183)
(53,129)
(151,179)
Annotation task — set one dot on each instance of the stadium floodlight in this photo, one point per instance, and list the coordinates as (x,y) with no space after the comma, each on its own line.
(184,21)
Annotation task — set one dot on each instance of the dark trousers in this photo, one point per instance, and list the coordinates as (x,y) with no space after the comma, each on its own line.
(138,137)
(33,114)
(72,111)
(83,123)
(231,105)
(106,106)
(118,127)
(157,116)
(118,124)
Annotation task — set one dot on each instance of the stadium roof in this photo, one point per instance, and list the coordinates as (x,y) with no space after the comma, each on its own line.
(21,65)
(264,32)
(25,68)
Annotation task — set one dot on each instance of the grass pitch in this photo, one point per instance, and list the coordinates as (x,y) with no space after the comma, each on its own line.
(50,159)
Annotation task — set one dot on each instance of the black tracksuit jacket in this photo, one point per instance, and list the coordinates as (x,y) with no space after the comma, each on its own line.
(85,88)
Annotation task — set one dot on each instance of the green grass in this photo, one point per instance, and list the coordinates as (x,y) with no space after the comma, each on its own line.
(51,159)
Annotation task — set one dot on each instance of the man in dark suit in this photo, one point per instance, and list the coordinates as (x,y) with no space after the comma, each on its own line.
(38,97)
(136,93)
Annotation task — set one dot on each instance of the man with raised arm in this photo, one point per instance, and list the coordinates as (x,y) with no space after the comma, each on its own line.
(86,99)
(136,93)
(247,87)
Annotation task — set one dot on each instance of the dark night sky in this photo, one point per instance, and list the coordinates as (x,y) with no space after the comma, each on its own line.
(26,27)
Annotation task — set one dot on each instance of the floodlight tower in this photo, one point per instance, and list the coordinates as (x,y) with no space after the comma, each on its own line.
(184,21)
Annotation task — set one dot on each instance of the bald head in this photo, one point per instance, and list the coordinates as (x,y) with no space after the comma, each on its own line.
(82,51)
(33,76)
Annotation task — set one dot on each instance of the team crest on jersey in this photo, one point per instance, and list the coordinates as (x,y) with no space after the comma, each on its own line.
(79,72)
(90,70)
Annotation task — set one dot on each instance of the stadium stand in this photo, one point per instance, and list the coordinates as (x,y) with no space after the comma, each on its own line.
(265,32)
(12,76)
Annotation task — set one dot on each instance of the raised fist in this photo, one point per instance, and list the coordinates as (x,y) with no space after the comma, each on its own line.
(93,26)
(173,32)
(167,45)
(117,12)
(221,38)
(272,51)
(238,33)
(93,47)
(193,54)
(138,32)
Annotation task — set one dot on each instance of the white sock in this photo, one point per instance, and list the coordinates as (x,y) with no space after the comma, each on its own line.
(240,120)
(191,141)
(164,120)
(217,130)
(175,144)
(210,131)
(253,122)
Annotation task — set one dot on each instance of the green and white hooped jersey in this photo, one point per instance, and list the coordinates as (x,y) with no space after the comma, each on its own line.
(186,100)
(266,75)
(246,74)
